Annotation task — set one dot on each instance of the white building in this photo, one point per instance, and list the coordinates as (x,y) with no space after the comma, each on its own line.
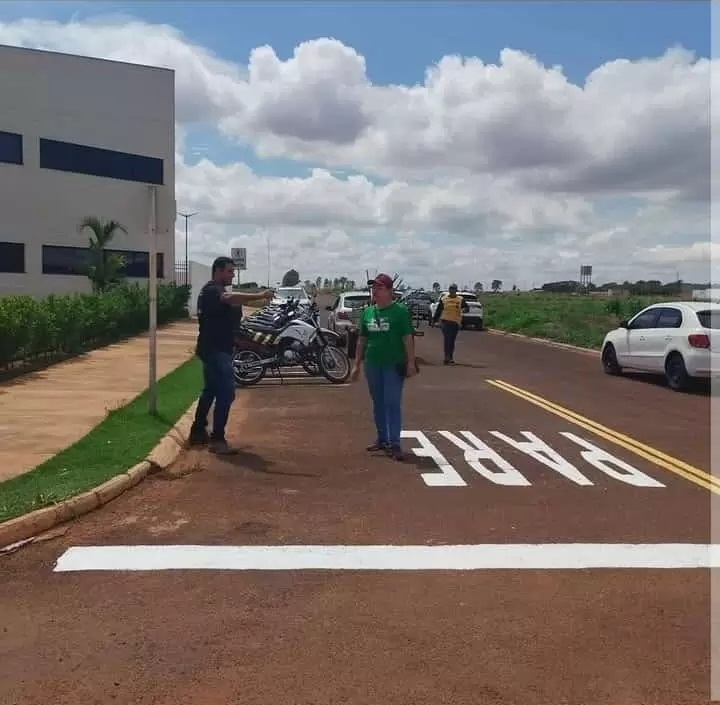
(81,137)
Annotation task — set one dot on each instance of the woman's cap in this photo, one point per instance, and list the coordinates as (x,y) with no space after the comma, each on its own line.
(383,280)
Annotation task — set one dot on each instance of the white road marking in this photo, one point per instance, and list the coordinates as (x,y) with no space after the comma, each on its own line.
(475,451)
(573,556)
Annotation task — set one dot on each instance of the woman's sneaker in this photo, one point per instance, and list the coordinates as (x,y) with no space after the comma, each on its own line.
(396,453)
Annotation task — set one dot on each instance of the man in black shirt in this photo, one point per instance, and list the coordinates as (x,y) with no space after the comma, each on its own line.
(215,342)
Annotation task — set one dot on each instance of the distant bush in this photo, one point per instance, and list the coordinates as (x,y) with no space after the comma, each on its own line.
(69,324)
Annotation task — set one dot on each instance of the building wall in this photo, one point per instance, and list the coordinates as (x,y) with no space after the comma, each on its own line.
(110,105)
(200,274)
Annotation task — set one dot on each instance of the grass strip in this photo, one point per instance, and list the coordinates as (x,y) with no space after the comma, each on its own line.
(577,320)
(123,439)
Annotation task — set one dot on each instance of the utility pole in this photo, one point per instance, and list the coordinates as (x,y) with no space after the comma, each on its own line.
(268,260)
(152,295)
(187,216)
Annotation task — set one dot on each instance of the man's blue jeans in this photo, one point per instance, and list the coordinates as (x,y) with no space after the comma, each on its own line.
(385,385)
(219,386)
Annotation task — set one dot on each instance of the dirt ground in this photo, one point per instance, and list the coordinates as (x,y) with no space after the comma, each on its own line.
(611,636)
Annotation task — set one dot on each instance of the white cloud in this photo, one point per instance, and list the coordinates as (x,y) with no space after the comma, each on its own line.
(504,169)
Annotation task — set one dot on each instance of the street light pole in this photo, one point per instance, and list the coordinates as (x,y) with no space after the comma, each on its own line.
(187,216)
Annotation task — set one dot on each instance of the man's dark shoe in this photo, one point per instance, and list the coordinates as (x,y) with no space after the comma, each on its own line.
(220,446)
(198,437)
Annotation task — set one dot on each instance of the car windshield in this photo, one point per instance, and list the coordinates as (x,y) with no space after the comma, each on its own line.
(288,292)
(357,301)
(469,297)
(709,319)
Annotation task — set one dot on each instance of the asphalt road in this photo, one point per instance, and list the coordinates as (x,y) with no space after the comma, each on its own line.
(541,636)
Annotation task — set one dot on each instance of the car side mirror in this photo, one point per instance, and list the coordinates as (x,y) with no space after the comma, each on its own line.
(624,323)
(328,308)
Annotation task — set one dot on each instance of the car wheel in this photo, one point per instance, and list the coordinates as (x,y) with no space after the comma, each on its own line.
(676,373)
(609,360)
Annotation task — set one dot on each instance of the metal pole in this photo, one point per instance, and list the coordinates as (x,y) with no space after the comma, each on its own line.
(268,262)
(187,216)
(152,289)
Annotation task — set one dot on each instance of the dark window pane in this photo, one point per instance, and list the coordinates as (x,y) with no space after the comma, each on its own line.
(74,260)
(709,319)
(82,159)
(669,318)
(645,320)
(11,148)
(12,257)
(64,260)
(137,264)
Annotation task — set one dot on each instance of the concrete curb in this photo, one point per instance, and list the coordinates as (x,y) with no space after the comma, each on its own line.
(545,341)
(25,528)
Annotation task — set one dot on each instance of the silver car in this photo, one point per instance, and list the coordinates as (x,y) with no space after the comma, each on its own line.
(345,312)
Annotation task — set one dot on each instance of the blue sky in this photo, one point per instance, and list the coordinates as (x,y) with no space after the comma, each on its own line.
(400,39)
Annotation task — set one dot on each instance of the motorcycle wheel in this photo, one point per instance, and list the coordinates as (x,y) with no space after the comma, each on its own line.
(244,370)
(334,364)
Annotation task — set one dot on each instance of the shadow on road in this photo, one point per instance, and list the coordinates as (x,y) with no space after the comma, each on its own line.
(700,388)
(252,461)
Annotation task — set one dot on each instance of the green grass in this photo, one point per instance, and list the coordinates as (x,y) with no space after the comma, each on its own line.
(577,320)
(123,439)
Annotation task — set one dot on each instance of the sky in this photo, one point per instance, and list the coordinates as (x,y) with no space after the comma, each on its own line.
(443,141)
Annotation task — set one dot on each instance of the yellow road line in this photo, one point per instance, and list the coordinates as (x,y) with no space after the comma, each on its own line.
(678,467)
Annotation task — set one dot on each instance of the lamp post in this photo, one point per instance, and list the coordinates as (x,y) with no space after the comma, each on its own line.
(187,216)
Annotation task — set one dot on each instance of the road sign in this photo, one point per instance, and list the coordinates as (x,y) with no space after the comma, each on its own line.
(239,257)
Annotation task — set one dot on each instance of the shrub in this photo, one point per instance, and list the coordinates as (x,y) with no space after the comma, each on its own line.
(69,324)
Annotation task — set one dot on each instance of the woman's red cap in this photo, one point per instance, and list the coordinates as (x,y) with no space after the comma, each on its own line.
(383,280)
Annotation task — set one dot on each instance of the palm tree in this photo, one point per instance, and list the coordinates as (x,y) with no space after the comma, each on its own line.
(103,270)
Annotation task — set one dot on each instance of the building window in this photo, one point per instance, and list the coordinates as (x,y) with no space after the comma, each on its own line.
(11,148)
(12,258)
(137,264)
(64,260)
(57,259)
(81,159)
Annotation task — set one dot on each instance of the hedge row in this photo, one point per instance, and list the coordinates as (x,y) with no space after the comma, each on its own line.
(69,324)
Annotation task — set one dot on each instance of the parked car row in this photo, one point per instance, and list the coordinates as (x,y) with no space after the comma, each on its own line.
(345,311)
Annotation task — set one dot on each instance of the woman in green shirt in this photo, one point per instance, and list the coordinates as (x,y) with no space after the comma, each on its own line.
(386,347)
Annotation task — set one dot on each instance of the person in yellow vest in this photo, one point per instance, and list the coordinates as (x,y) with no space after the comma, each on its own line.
(449,312)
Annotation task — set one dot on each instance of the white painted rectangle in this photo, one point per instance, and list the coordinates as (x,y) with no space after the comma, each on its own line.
(556,556)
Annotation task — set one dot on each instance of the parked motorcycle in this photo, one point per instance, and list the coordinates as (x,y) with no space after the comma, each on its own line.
(285,336)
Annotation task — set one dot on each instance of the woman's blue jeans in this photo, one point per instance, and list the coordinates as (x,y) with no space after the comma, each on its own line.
(385,385)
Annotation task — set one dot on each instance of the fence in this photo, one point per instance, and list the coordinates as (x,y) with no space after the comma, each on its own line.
(182,273)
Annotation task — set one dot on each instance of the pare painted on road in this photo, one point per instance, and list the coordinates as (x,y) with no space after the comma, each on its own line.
(489,464)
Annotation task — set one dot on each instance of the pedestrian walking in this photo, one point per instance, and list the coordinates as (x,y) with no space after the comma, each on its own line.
(215,342)
(386,352)
(449,312)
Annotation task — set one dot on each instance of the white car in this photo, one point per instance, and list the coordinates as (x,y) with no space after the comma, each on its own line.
(676,339)
(346,310)
(475,317)
(285,293)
